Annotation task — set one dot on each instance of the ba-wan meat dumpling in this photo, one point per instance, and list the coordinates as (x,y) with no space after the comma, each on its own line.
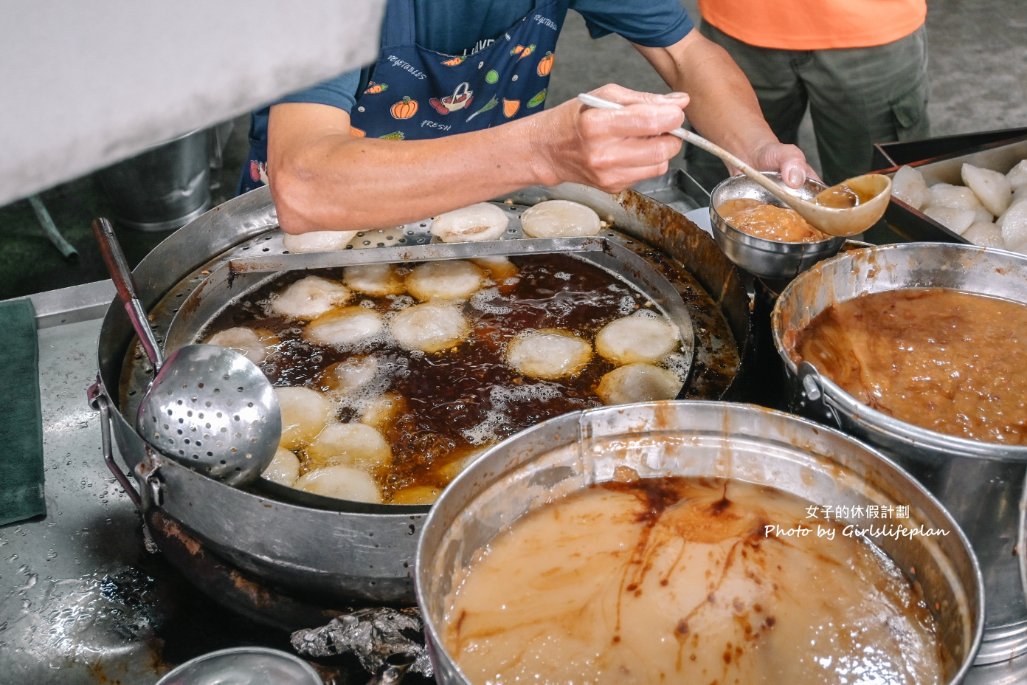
(641,337)
(309,298)
(1014,226)
(481,221)
(1017,176)
(245,341)
(548,354)
(349,444)
(454,279)
(991,187)
(284,468)
(376,280)
(341,482)
(954,197)
(317,241)
(909,186)
(304,414)
(638,383)
(346,328)
(956,219)
(984,233)
(558,219)
(429,327)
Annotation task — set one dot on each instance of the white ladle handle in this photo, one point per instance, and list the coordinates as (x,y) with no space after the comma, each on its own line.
(712,148)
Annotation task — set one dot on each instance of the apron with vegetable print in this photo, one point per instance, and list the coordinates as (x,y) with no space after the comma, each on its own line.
(416,93)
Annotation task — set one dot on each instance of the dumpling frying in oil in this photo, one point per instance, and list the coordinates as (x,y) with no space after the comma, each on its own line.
(454,279)
(429,327)
(638,383)
(341,482)
(548,353)
(309,298)
(640,337)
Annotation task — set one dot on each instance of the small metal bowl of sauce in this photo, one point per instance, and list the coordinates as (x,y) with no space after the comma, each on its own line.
(759,234)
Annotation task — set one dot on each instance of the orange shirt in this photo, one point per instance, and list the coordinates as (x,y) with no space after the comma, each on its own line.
(815,24)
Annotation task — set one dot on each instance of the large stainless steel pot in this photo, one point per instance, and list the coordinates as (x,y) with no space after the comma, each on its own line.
(700,439)
(359,552)
(980,483)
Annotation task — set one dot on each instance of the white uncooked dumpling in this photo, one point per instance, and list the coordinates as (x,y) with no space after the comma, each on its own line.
(1017,176)
(548,353)
(481,221)
(454,279)
(349,444)
(376,280)
(559,219)
(991,187)
(954,197)
(309,298)
(956,219)
(983,215)
(317,241)
(345,328)
(909,185)
(243,340)
(429,327)
(636,338)
(341,482)
(304,414)
(1014,225)
(284,468)
(638,383)
(984,233)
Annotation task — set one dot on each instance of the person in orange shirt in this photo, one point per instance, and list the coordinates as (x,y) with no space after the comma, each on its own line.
(859,66)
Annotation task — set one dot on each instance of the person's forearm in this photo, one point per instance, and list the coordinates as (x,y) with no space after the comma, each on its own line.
(376,183)
(723,105)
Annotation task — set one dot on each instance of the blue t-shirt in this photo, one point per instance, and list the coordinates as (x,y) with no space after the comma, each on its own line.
(455,27)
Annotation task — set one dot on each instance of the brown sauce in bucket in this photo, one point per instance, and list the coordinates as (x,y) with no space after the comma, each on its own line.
(940,359)
(762,220)
(684,580)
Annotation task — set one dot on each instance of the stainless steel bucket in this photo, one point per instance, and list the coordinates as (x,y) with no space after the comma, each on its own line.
(692,438)
(980,483)
(163,188)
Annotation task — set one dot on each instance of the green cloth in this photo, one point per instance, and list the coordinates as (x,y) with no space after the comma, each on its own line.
(21,424)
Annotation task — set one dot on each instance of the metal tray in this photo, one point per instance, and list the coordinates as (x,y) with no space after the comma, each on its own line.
(906,224)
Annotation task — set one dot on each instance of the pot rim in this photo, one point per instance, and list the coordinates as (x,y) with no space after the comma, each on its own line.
(481,465)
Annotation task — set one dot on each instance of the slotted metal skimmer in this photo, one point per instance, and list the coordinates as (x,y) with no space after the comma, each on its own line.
(213,410)
(208,407)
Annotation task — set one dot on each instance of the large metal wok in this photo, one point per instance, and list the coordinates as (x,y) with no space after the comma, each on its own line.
(333,555)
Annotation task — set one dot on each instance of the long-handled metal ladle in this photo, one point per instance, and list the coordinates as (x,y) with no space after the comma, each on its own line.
(208,407)
(851,207)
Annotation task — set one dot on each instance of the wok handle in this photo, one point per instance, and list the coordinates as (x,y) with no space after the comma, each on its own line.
(98,400)
(121,274)
(812,394)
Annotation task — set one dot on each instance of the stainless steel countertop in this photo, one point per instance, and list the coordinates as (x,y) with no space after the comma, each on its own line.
(81,601)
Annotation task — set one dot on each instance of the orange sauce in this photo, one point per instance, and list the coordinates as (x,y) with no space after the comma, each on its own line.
(940,359)
(767,221)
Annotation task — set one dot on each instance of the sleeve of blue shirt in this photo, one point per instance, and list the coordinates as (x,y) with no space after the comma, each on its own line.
(649,23)
(340,92)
